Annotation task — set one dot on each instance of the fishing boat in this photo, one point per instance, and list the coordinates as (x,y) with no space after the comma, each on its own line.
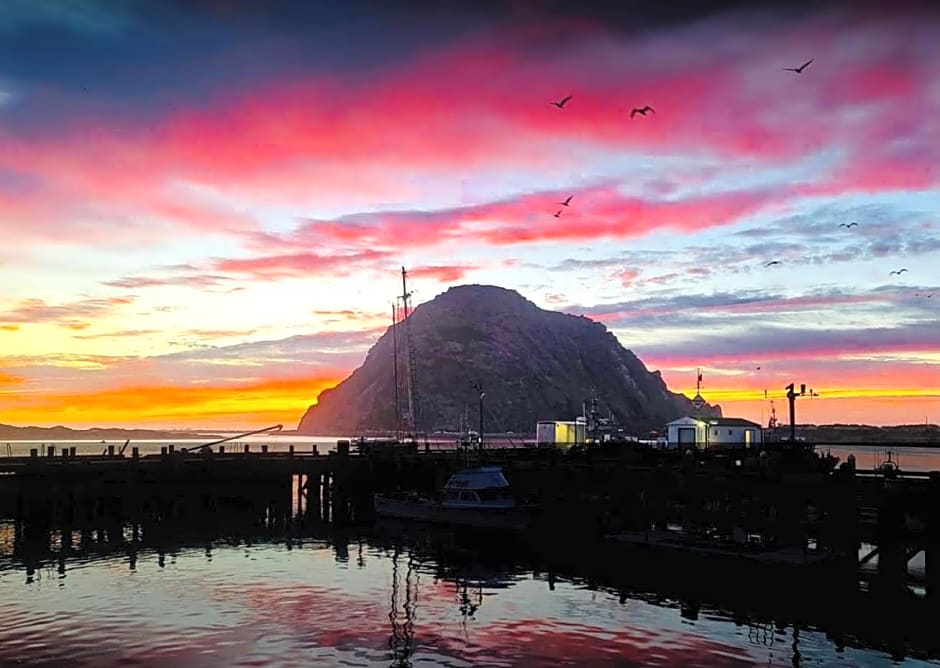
(476,497)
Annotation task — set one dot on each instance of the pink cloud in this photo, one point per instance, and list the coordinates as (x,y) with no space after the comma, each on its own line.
(441,273)
(484,104)
(275,267)
(527,218)
(757,306)
(197,280)
(31,311)
(627,276)
(851,346)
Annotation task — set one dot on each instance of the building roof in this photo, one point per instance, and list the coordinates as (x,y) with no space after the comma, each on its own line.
(732,422)
(687,419)
(715,422)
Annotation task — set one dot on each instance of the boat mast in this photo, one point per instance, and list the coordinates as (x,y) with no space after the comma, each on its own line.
(409,357)
(395,370)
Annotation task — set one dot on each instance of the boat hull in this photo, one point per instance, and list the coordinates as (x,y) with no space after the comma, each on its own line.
(511,519)
(667,542)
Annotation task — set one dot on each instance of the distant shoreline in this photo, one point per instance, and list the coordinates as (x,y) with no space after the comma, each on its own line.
(11,433)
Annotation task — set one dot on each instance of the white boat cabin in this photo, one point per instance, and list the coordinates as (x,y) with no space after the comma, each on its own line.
(484,487)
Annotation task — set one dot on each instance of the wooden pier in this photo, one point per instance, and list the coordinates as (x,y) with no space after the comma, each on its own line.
(851,518)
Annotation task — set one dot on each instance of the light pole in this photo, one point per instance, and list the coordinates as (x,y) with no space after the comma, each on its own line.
(479,389)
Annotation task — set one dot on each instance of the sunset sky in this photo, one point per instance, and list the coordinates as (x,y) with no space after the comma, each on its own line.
(204,204)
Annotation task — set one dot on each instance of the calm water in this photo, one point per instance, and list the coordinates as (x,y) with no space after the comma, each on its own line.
(388,599)
(369,601)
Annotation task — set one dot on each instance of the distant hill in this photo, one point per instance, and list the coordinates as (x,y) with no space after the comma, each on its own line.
(11,433)
(533,365)
(862,433)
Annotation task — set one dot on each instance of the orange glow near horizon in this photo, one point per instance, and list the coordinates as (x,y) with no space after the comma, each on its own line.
(170,407)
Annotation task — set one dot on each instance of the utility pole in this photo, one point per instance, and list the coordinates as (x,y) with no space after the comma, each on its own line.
(792,394)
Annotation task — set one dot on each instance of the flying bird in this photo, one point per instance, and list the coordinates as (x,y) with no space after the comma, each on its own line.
(799,70)
(772,262)
(642,111)
(898,272)
(848,225)
(567,201)
(562,102)
(557,214)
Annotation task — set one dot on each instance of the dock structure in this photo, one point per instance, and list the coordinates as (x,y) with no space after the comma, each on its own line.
(767,510)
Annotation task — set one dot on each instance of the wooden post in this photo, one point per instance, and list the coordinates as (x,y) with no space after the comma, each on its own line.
(290,450)
(72,451)
(110,451)
(932,547)
(50,451)
(892,564)
(264,449)
(135,453)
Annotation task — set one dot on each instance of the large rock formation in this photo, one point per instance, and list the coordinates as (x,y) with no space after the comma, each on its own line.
(531,363)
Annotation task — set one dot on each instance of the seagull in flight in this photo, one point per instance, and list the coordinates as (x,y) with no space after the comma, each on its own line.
(898,272)
(848,225)
(642,111)
(562,102)
(557,214)
(773,262)
(567,201)
(799,70)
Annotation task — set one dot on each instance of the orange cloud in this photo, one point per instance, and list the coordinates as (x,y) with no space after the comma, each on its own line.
(8,379)
(248,404)
(886,410)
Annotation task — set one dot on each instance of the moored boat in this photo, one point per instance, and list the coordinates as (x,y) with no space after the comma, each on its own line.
(478,497)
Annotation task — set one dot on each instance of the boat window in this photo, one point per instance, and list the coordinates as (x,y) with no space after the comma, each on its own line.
(469,496)
(451,496)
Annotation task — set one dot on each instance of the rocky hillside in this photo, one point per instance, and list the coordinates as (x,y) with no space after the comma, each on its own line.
(533,365)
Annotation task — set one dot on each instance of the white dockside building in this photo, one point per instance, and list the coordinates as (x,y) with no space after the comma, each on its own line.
(705,433)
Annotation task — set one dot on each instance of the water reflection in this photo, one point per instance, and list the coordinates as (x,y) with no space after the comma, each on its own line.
(402,596)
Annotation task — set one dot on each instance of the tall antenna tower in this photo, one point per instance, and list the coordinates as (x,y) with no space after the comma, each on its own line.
(410,356)
(395,370)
